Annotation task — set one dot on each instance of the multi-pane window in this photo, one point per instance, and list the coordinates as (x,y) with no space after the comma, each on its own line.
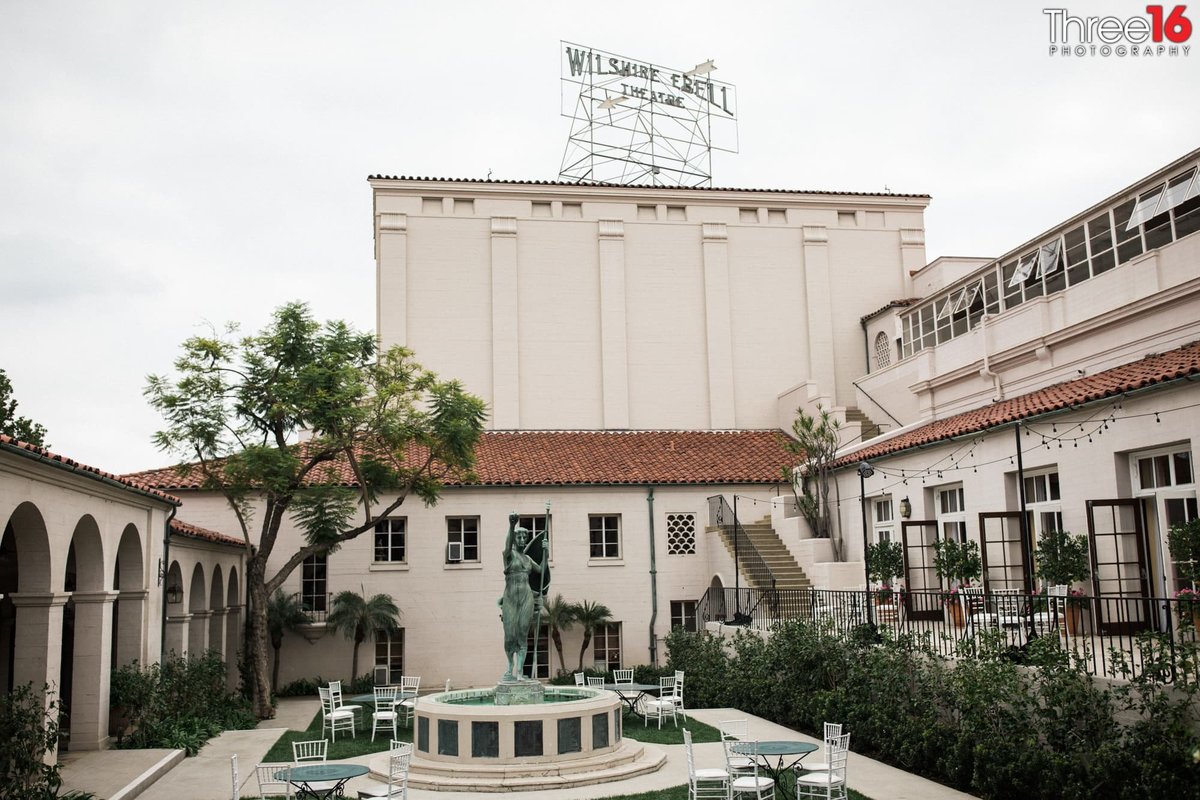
(535,524)
(681,534)
(885,523)
(389,539)
(952,517)
(314,589)
(606,646)
(462,539)
(537,658)
(683,614)
(1165,469)
(1042,498)
(1156,217)
(604,536)
(389,652)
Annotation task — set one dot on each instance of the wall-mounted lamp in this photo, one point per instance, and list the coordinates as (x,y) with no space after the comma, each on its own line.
(905,509)
(174,594)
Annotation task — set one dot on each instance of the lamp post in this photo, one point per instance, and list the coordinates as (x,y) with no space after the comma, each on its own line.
(865,471)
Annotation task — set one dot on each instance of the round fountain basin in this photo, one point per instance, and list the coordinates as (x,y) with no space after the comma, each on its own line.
(466,727)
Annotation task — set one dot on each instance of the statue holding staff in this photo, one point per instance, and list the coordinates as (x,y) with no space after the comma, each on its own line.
(526,579)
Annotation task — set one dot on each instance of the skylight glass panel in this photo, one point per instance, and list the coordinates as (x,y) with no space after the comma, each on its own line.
(1144,209)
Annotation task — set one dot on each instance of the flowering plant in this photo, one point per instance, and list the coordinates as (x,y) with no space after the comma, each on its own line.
(1187,602)
(886,593)
(1077,598)
(950,597)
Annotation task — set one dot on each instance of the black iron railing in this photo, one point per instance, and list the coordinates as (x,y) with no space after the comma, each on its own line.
(750,560)
(1115,637)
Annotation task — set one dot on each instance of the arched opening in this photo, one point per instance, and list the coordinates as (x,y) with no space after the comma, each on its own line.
(25,567)
(233,627)
(197,608)
(716,599)
(129,612)
(177,618)
(216,604)
(86,638)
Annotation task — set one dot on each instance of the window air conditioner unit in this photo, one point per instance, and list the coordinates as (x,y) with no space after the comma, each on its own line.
(454,551)
(381,676)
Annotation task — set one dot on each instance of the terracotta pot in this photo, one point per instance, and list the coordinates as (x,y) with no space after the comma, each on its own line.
(956,613)
(1074,615)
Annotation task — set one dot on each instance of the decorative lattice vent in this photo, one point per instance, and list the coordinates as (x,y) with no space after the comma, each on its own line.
(681,534)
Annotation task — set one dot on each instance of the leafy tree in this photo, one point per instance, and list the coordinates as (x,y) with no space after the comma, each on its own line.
(1184,543)
(21,428)
(559,615)
(356,617)
(885,561)
(814,443)
(285,613)
(589,616)
(1061,558)
(376,427)
(957,561)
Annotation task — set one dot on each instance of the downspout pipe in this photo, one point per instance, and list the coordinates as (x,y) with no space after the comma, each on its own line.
(163,576)
(986,371)
(653,578)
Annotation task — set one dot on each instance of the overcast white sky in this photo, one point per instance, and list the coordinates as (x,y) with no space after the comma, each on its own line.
(163,164)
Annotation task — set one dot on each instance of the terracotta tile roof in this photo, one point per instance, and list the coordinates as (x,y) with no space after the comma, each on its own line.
(191,531)
(565,458)
(648,187)
(62,462)
(1149,371)
(904,303)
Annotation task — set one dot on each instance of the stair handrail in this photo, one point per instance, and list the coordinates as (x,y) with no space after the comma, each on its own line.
(722,515)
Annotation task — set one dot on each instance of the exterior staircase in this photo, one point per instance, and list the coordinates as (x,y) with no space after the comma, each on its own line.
(855,416)
(771,551)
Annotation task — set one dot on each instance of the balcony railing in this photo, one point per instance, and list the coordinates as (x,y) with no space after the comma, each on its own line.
(1113,637)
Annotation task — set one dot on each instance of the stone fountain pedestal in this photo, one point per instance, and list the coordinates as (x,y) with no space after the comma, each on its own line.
(519,692)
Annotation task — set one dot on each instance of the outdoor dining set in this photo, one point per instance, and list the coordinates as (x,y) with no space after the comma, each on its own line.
(647,700)
(759,769)
(311,776)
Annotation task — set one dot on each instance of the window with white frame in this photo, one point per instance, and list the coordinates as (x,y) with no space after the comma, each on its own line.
(1043,500)
(683,614)
(952,513)
(1165,478)
(604,536)
(537,659)
(1159,470)
(535,524)
(389,540)
(314,588)
(606,646)
(462,539)
(389,652)
(885,523)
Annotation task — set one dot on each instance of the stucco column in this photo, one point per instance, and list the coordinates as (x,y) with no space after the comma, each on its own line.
(177,635)
(216,631)
(506,389)
(233,644)
(821,356)
(391,279)
(131,616)
(38,656)
(198,632)
(718,326)
(614,348)
(91,671)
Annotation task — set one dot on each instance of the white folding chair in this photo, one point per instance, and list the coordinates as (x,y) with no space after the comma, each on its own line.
(595,682)
(579,679)
(399,760)
(622,676)
(269,782)
(661,706)
(1010,607)
(333,718)
(679,693)
(410,686)
(732,732)
(830,783)
(384,716)
(335,689)
(705,781)
(832,731)
(312,750)
(750,782)
(1055,615)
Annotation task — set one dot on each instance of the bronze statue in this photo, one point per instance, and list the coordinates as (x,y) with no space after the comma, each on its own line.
(526,579)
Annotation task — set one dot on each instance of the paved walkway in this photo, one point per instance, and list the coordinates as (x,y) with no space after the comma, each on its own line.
(207,776)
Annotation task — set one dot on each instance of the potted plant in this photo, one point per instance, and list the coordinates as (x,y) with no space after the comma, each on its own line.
(1062,559)
(1184,543)
(1187,603)
(957,564)
(885,563)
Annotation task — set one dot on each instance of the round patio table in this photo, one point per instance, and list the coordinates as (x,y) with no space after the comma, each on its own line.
(303,777)
(763,752)
(630,693)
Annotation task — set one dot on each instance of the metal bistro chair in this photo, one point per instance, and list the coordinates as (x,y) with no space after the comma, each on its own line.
(384,716)
(750,782)
(706,781)
(399,760)
(269,782)
(829,783)
(661,706)
(332,717)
